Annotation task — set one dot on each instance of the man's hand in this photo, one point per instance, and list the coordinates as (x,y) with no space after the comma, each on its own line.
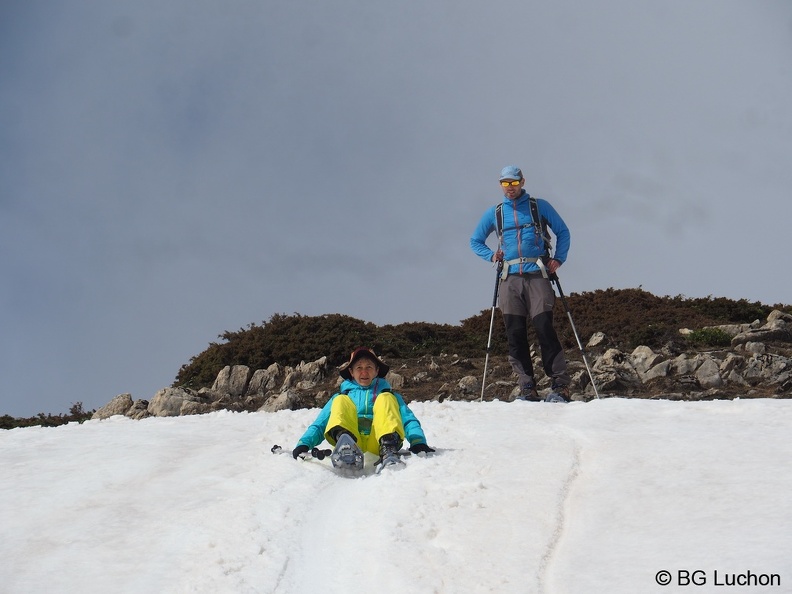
(553,265)
(497,256)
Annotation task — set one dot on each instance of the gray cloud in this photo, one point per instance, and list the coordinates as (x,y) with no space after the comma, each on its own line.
(172,171)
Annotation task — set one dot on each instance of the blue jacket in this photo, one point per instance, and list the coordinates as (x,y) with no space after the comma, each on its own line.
(521,239)
(364,400)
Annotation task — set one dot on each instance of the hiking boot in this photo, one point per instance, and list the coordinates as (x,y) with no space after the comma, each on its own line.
(528,392)
(558,394)
(336,432)
(389,450)
(347,454)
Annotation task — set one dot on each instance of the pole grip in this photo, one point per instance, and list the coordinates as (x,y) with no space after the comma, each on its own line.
(497,283)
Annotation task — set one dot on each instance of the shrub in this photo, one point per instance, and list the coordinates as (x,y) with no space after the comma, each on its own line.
(731,312)
(76,414)
(630,317)
(283,339)
(709,337)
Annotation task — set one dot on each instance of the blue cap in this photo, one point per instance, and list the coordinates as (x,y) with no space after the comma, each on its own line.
(511,172)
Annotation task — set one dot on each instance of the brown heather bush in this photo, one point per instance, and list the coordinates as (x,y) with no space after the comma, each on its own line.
(76,414)
(630,317)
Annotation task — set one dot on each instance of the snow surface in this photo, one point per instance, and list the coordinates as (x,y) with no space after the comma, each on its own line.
(520,497)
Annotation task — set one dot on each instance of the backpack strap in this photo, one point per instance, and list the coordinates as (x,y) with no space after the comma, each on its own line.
(541,223)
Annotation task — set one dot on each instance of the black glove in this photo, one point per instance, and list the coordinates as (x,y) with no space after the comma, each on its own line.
(300,449)
(420,447)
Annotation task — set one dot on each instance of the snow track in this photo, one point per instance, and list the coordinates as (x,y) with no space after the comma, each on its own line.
(521,498)
(563,515)
(331,534)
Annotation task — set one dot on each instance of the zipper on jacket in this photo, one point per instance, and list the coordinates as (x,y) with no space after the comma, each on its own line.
(519,235)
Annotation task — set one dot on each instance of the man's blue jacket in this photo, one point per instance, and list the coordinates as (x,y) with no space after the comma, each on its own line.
(522,238)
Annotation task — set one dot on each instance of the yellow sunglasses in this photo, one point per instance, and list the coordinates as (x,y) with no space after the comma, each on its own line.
(506,184)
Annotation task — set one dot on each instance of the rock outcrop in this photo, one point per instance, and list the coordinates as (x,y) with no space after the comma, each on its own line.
(758,363)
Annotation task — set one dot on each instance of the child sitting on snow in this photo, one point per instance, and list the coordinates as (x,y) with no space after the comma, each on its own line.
(364,416)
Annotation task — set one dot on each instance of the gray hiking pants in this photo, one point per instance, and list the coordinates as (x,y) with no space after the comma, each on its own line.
(530,296)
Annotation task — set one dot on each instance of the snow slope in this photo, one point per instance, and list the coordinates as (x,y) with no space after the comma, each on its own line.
(521,497)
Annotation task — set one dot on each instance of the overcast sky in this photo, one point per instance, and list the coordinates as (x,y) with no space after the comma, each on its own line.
(173,170)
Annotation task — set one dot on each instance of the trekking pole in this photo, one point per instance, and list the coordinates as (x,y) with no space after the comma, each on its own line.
(314,453)
(492,320)
(554,278)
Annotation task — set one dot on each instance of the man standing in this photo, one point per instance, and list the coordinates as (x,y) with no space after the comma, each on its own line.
(525,290)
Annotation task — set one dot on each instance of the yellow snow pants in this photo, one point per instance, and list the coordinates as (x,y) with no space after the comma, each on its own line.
(387,419)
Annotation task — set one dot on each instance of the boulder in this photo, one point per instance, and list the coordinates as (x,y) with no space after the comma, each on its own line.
(117,406)
(659,370)
(643,359)
(421,376)
(777,329)
(168,402)
(396,380)
(469,385)
(614,372)
(598,340)
(313,372)
(265,380)
(232,379)
(682,365)
(283,401)
(708,373)
(732,363)
(139,410)
(756,348)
